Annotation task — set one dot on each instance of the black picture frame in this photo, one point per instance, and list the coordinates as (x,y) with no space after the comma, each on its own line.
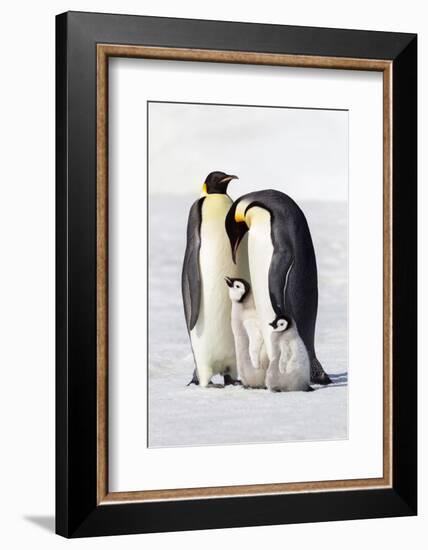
(77,511)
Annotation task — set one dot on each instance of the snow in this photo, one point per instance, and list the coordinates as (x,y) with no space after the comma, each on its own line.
(192,416)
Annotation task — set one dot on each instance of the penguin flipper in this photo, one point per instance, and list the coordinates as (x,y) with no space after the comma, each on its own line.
(279,273)
(285,358)
(255,340)
(191,275)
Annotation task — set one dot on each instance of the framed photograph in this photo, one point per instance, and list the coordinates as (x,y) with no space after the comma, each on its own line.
(236,274)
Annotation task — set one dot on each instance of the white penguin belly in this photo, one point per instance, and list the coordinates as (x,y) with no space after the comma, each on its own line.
(212,338)
(260,252)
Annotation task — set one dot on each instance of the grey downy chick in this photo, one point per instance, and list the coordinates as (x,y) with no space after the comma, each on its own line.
(289,368)
(251,358)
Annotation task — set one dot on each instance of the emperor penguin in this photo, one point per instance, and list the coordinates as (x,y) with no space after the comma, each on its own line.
(282,264)
(289,368)
(251,358)
(207,261)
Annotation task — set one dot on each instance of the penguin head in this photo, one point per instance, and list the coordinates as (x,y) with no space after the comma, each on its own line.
(238,289)
(281,323)
(217,182)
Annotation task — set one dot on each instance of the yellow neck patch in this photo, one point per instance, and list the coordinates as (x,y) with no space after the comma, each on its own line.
(204,190)
(239,216)
(240,211)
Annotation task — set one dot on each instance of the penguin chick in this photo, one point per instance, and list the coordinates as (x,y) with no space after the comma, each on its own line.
(289,368)
(251,358)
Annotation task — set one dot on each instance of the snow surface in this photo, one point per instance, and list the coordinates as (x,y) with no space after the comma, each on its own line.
(181,415)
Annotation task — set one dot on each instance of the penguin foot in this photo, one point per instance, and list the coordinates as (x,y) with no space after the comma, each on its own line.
(229,381)
(194,380)
(322,379)
(309,388)
(318,374)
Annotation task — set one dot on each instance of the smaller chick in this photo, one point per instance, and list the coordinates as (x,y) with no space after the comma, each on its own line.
(289,368)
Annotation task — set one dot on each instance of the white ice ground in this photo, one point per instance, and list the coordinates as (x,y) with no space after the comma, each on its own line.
(180,415)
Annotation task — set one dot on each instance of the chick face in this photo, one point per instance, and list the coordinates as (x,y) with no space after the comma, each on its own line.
(280,324)
(238,289)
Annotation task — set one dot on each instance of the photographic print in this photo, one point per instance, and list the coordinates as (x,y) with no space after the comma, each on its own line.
(247,274)
(234,247)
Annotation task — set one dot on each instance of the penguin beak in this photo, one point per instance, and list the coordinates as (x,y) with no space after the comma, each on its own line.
(229,281)
(227,179)
(272,324)
(235,231)
(240,230)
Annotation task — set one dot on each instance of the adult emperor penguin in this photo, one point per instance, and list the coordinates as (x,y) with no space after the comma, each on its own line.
(282,264)
(207,261)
